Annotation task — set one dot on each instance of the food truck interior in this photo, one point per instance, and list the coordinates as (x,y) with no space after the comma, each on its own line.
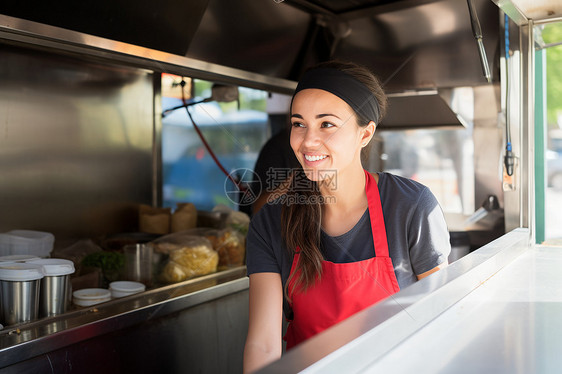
(94,129)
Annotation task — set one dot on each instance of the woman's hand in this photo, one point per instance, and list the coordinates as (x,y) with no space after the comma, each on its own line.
(263,344)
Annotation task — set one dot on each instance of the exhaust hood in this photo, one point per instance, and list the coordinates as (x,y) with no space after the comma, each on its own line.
(167,25)
(409,44)
(417,109)
(415,47)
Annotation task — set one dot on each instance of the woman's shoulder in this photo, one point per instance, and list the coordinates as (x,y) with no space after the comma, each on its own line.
(264,251)
(402,188)
(389,179)
(269,215)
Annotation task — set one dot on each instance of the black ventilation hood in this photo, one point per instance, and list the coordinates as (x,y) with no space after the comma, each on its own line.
(412,45)
(165,25)
(421,109)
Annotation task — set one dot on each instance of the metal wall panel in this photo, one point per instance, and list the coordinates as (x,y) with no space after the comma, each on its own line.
(75,144)
(488,147)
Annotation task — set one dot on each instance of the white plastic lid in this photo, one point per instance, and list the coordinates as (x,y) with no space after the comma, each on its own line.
(92,293)
(127,286)
(90,296)
(31,234)
(18,258)
(54,266)
(20,272)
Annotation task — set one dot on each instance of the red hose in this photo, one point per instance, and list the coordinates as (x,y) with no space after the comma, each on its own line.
(207,146)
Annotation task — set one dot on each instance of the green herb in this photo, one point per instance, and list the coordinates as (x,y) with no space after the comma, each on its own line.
(240,227)
(105,260)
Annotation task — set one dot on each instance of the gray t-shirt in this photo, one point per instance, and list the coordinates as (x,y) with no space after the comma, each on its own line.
(418,239)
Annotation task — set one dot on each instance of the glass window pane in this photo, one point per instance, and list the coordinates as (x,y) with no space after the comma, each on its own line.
(440,159)
(235,132)
(552,38)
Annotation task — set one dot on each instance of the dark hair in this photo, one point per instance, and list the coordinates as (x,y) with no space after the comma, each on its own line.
(301,218)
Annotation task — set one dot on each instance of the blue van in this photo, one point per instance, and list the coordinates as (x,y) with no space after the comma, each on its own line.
(189,172)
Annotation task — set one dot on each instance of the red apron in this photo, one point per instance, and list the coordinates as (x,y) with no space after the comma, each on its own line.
(344,288)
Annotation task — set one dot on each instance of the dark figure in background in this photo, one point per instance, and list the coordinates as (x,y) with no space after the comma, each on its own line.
(276,160)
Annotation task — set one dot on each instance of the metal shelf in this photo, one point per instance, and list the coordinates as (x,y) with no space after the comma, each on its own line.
(21,342)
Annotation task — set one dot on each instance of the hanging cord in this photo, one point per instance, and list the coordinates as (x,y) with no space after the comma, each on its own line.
(477,32)
(509,158)
(184,105)
(200,134)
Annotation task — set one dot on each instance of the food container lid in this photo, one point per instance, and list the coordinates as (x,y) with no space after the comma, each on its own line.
(127,286)
(54,266)
(20,272)
(90,296)
(91,293)
(31,234)
(18,258)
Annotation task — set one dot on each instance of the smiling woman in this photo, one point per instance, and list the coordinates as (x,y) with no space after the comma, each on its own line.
(339,239)
(328,140)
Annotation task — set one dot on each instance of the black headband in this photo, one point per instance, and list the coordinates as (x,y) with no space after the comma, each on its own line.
(344,86)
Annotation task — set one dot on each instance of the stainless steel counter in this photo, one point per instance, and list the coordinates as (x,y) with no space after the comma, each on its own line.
(511,324)
(497,310)
(170,328)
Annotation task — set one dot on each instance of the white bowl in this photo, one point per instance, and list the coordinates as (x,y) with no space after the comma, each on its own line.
(125,288)
(90,296)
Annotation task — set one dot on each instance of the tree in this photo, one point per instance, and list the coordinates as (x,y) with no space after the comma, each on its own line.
(552,34)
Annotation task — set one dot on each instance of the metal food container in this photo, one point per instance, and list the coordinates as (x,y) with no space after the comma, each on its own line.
(55,291)
(19,287)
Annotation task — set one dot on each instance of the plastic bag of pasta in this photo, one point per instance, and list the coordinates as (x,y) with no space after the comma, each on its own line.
(185,256)
(229,243)
(236,220)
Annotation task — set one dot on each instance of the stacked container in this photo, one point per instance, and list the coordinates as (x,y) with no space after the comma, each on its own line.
(55,285)
(19,290)
(26,242)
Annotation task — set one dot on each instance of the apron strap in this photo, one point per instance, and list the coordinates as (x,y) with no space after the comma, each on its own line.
(375,213)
